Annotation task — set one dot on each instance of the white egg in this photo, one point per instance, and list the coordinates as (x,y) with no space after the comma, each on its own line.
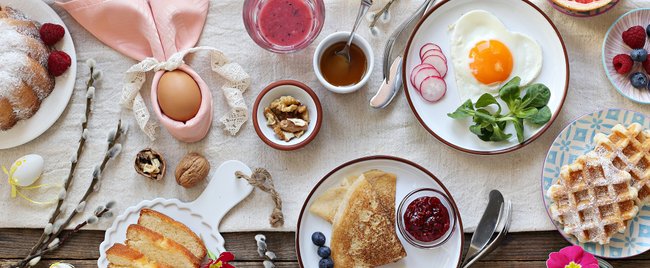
(61,265)
(27,169)
(470,33)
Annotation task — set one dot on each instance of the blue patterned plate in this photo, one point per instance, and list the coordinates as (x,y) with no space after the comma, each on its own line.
(575,140)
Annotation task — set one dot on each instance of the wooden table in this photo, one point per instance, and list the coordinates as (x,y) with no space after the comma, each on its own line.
(529,249)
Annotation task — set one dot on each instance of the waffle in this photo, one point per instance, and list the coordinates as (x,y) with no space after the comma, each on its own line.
(629,150)
(593,199)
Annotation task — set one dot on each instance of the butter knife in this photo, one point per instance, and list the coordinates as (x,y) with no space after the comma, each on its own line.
(486,226)
(393,57)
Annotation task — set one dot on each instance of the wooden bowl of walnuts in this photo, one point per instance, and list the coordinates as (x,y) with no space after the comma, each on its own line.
(287,115)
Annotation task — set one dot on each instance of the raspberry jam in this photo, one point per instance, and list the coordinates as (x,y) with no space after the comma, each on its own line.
(426,219)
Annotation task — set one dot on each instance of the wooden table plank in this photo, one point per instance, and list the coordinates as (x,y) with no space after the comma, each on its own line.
(528,249)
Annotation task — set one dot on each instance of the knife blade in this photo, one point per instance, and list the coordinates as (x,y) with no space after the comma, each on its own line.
(486,226)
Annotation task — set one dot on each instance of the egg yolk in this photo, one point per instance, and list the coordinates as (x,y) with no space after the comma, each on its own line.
(490,62)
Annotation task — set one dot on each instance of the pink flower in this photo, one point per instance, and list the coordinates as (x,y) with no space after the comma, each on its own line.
(571,257)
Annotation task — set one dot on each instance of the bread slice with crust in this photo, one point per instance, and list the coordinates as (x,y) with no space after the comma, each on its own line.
(159,248)
(174,230)
(123,256)
(363,232)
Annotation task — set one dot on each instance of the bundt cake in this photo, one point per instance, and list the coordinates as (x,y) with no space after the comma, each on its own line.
(23,68)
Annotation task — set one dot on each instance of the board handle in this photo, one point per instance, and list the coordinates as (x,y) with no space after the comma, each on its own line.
(223,192)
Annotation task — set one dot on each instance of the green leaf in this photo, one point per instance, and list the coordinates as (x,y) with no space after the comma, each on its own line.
(519,128)
(485,115)
(510,91)
(537,95)
(542,116)
(526,113)
(211,255)
(499,134)
(487,100)
(482,133)
(465,110)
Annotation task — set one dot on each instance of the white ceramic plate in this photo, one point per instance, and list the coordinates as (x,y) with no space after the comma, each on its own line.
(53,106)
(518,16)
(410,176)
(614,45)
(202,215)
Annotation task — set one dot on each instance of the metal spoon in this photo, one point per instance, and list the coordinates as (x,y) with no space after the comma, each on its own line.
(486,226)
(603,264)
(365,5)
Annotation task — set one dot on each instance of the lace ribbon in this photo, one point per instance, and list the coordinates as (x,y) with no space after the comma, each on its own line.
(15,188)
(237,83)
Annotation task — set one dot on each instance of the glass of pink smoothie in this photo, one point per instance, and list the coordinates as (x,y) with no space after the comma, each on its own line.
(283,26)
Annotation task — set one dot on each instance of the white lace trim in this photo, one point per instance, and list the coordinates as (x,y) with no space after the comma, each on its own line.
(238,82)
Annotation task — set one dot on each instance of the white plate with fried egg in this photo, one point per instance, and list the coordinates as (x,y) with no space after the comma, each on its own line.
(486,43)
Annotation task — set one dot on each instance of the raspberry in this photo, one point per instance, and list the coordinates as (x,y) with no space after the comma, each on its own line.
(58,63)
(635,37)
(51,33)
(623,63)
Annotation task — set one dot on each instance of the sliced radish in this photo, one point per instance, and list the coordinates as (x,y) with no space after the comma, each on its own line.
(434,53)
(416,69)
(422,74)
(433,88)
(427,47)
(437,62)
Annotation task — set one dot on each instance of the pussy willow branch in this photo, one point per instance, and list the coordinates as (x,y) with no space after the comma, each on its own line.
(61,241)
(73,165)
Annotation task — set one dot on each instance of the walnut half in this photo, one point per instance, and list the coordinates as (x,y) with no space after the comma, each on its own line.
(150,164)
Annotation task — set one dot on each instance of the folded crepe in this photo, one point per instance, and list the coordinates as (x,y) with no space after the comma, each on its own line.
(384,184)
(363,230)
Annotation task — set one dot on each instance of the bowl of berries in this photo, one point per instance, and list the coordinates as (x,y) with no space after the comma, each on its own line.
(625,55)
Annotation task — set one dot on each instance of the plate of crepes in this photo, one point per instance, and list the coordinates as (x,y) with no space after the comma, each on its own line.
(486,77)
(38,67)
(379,211)
(172,233)
(596,183)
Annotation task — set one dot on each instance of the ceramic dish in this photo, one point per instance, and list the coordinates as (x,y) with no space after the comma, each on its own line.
(343,37)
(613,45)
(575,140)
(302,93)
(584,14)
(410,176)
(53,106)
(434,28)
(202,216)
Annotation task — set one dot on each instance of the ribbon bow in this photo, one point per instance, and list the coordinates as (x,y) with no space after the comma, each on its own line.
(237,83)
(16,191)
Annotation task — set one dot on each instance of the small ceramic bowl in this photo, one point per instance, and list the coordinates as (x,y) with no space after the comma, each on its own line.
(415,195)
(584,13)
(343,37)
(302,93)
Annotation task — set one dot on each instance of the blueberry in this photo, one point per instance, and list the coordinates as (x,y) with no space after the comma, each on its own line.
(639,55)
(639,80)
(324,251)
(648,30)
(326,263)
(318,238)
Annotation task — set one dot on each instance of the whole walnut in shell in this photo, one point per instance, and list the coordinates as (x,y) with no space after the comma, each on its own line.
(191,170)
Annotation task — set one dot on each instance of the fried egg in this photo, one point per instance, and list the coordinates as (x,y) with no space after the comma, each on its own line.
(486,55)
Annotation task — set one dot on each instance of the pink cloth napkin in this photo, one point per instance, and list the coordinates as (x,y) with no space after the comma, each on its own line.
(151,28)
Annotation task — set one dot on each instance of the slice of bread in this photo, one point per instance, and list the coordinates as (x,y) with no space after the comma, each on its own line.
(122,256)
(159,248)
(171,229)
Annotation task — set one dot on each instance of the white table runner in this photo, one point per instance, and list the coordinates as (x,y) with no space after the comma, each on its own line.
(350,129)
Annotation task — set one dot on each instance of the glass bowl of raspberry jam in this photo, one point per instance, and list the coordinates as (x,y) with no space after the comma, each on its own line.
(283,26)
(426,218)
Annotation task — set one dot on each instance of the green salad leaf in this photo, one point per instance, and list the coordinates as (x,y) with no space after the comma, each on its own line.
(490,126)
